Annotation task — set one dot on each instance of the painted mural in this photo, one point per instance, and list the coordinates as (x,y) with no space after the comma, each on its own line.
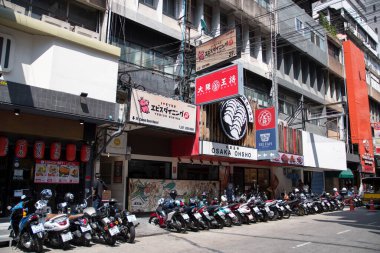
(145,193)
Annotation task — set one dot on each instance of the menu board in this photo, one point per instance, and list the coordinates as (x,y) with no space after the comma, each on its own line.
(56,172)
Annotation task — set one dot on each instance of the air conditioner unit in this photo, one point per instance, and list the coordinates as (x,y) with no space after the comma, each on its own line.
(56,22)
(282,122)
(86,32)
(15,7)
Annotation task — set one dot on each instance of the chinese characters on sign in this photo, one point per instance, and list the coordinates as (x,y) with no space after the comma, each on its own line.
(219,85)
(56,172)
(266,139)
(217,50)
(155,110)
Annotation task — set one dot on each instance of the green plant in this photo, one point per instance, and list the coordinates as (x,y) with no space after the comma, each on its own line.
(325,23)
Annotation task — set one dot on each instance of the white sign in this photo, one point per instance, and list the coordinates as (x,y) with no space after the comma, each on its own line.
(226,150)
(155,110)
(118,145)
(324,153)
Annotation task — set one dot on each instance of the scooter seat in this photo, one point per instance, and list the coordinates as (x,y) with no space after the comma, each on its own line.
(75,216)
(51,216)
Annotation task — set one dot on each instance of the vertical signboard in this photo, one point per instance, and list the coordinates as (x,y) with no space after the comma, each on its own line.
(358,105)
(266,133)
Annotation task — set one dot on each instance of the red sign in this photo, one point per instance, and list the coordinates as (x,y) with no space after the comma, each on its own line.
(265,118)
(4,146)
(21,148)
(219,85)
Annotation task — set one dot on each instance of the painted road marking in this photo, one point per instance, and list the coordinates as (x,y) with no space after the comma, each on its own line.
(300,245)
(342,232)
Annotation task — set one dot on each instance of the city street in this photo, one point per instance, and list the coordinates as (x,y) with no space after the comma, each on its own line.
(346,231)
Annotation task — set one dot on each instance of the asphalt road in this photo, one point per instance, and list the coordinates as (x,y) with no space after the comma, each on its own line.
(342,231)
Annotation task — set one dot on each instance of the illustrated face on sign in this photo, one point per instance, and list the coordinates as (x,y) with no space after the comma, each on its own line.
(233,118)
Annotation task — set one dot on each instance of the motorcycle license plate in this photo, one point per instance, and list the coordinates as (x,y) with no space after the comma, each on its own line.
(282,208)
(206,213)
(256,209)
(355,200)
(288,207)
(85,228)
(308,204)
(66,237)
(37,228)
(113,231)
(250,216)
(220,213)
(131,218)
(315,208)
(328,204)
(185,216)
(267,209)
(197,215)
(106,220)
(231,215)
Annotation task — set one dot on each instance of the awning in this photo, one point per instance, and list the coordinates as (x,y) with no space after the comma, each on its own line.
(346,174)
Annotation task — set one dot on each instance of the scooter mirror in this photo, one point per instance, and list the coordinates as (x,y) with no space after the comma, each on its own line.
(9,207)
(86,190)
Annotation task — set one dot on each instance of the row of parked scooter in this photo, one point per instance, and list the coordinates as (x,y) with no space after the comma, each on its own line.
(34,225)
(173,214)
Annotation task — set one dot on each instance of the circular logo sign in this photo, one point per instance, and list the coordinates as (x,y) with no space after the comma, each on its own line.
(264,118)
(366,145)
(233,118)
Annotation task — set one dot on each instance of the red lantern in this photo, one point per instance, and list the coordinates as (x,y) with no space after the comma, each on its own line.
(71,150)
(39,150)
(21,148)
(55,151)
(4,146)
(85,152)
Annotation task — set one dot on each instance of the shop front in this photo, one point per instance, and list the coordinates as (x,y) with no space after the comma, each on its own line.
(40,152)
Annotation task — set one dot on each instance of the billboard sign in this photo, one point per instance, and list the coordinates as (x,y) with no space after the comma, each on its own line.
(219,85)
(266,133)
(159,111)
(215,51)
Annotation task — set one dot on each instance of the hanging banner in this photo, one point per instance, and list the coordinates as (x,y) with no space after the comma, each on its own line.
(39,150)
(219,85)
(288,159)
(55,151)
(4,143)
(21,148)
(266,133)
(56,172)
(71,150)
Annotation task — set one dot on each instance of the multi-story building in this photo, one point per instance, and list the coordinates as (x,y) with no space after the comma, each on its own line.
(174,144)
(351,22)
(58,84)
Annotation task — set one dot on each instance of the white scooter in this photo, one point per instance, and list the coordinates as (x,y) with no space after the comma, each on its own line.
(56,226)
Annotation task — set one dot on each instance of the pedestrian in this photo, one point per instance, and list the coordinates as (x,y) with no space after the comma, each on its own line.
(97,191)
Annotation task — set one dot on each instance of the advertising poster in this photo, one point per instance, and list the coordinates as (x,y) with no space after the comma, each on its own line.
(56,172)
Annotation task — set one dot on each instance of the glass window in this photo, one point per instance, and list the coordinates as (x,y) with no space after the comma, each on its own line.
(299,25)
(149,169)
(169,65)
(223,22)
(197,172)
(375,19)
(82,16)
(134,54)
(207,15)
(191,13)
(56,9)
(169,8)
(148,2)
(147,58)
(264,49)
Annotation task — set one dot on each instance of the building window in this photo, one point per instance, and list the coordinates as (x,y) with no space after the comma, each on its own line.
(197,172)
(169,8)
(264,50)
(207,16)
(6,51)
(148,2)
(374,7)
(223,23)
(149,169)
(299,26)
(376,30)
(191,12)
(375,19)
